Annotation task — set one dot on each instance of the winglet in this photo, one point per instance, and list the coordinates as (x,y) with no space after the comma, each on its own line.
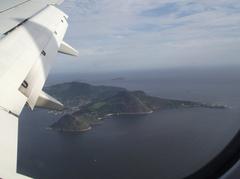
(47,101)
(67,49)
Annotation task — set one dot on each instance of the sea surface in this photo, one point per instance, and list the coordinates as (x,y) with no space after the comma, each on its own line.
(168,144)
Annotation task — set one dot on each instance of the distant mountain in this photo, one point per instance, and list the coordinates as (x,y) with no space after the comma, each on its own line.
(88,105)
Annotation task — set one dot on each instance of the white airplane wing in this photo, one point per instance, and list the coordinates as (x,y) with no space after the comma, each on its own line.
(31,34)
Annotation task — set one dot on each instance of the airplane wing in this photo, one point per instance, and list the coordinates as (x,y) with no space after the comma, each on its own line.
(31,34)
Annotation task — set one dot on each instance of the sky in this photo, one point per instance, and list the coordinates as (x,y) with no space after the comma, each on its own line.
(115,35)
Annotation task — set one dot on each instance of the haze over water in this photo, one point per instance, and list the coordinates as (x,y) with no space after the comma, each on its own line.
(166,144)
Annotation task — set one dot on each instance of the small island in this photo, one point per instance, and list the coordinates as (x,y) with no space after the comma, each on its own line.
(87,105)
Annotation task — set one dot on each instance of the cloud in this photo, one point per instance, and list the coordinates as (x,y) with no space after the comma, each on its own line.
(120,34)
(165,9)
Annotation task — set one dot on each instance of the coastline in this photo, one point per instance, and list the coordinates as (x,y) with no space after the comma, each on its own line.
(100,119)
(97,123)
(68,130)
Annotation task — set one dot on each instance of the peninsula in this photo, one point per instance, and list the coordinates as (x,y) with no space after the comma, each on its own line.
(87,105)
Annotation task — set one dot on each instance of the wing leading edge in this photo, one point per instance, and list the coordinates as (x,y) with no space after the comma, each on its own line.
(26,56)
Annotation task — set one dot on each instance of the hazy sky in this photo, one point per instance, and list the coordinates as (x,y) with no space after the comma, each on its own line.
(142,34)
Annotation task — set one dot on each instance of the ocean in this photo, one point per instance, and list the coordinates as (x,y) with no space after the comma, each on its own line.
(168,144)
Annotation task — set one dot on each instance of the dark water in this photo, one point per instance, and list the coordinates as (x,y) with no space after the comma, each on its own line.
(167,144)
